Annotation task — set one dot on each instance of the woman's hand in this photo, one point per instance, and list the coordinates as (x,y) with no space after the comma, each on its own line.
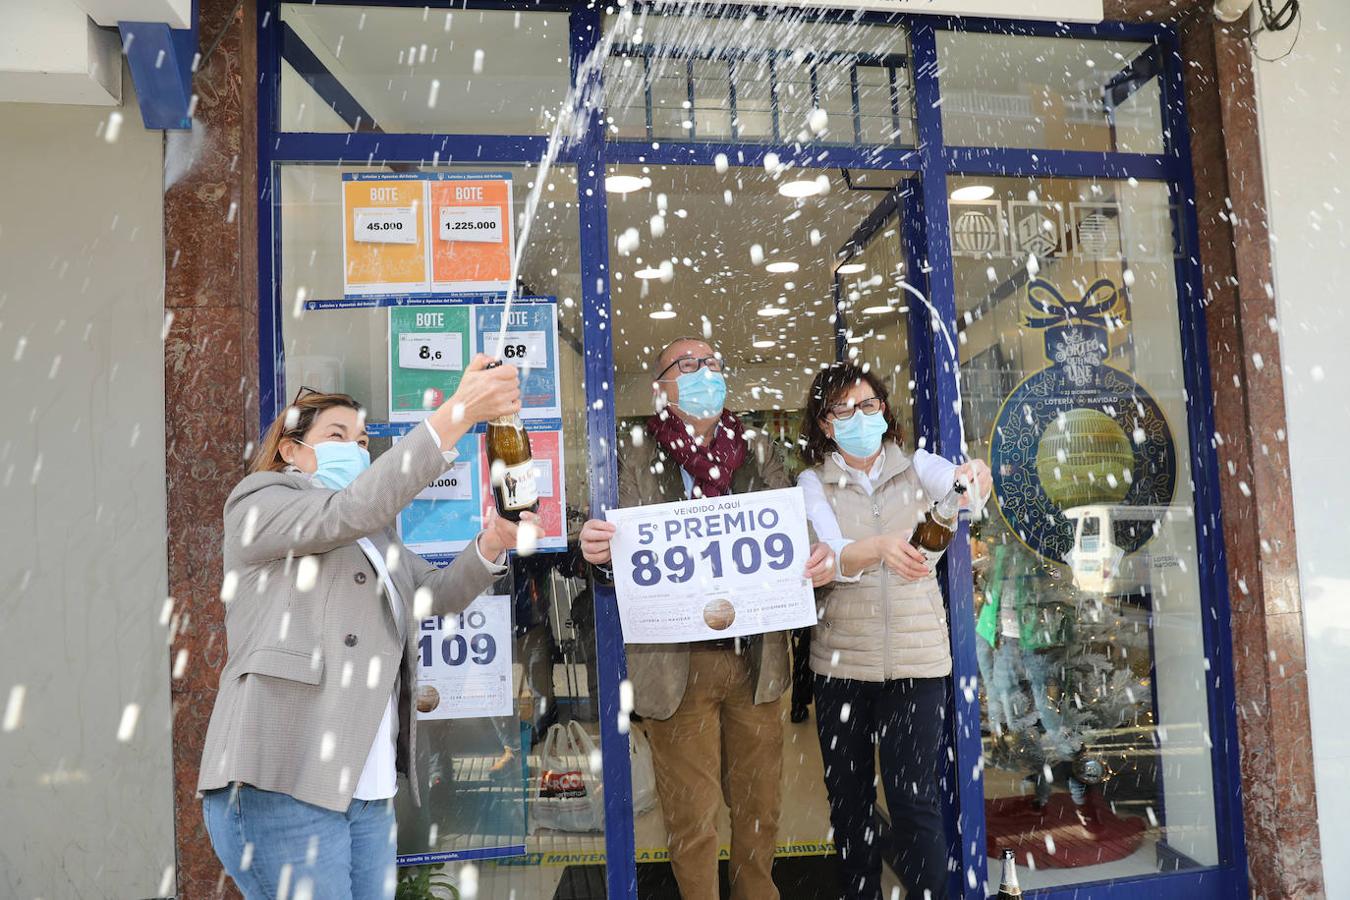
(595,537)
(499,535)
(820,565)
(976,472)
(483,394)
(902,557)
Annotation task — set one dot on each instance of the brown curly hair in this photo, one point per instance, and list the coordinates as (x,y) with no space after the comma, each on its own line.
(830,384)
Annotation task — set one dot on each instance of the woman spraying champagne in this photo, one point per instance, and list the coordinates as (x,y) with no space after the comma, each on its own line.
(880,652)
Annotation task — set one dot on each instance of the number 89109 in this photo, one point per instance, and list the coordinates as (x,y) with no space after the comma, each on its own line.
(677,565)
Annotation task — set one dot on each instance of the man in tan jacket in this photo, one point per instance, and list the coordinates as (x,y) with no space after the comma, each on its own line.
(712,707)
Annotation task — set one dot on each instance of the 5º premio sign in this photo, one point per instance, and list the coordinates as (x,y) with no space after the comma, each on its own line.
(1080,431)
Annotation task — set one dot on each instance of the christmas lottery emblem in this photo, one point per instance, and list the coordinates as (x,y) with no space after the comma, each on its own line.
(1079,431)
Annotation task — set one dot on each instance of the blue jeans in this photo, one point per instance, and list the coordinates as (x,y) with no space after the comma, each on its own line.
(276,846)
(1001,669)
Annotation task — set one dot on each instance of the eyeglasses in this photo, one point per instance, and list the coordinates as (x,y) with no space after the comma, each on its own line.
(842,412)
(690,364)
(303,390)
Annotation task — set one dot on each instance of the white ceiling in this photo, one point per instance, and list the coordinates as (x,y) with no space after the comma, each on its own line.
(721,279)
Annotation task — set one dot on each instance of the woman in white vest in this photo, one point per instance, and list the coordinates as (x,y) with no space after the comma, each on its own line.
(880,652)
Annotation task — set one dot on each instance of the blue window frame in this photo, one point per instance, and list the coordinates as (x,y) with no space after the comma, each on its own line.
(927,241)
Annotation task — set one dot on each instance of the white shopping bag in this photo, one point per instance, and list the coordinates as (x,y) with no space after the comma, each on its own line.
(644,772)
(568,797)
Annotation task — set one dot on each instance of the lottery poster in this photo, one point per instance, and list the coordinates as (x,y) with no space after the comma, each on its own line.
(447,514)
(531,345)
(472,234)
(710,568)
(429,348)
(464,662)
(384,246)
(546,448)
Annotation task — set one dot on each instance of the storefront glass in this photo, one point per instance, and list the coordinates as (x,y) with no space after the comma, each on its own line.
(1088,609)
(476,771)
(421,70)
(1009,90)
(803,236)
(694,77)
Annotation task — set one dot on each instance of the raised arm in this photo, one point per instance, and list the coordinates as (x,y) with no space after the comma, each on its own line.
(268,517)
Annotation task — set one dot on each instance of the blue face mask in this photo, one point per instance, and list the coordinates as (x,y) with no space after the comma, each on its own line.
(339,462)
(703,394)
(860,434)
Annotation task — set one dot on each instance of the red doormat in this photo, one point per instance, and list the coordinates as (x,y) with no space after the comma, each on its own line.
(1014,823)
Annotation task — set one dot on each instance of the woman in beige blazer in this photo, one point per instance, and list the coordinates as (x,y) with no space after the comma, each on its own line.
(880,651)
(314,713)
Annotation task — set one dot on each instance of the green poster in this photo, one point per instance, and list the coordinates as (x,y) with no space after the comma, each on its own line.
(429,347)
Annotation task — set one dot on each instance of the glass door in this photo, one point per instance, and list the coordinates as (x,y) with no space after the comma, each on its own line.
(756,279)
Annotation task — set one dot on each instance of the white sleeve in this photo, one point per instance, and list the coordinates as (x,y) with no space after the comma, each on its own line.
(495,566)
(823,520)
(937,475)
(450,455)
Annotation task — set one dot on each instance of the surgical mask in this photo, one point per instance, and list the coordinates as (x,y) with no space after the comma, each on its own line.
(703,394)
(860,434)
(339,462)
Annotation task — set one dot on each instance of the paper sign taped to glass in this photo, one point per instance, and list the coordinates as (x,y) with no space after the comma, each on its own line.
(464,662)
(719,567)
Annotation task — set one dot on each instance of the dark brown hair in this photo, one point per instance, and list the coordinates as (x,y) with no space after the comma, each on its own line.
(830,384)
(293,423)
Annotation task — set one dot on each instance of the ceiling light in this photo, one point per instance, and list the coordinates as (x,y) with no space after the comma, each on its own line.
(782,267)
(763,344)
(851,268)
(661,314)
(625,184)
(770,312)
(648,273)
(973,192)
(798,189)
(876,310)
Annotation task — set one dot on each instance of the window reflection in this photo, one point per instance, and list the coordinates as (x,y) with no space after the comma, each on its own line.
(1088,613)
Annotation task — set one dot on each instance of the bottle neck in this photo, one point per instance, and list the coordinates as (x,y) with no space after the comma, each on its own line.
(508,421)
(949,506)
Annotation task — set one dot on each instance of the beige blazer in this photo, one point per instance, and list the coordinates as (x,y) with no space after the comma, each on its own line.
(659,672)
(879,627)
(314,647)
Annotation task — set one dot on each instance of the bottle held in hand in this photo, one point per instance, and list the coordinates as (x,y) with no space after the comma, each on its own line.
(935,532)
(511,467)
(1008,886)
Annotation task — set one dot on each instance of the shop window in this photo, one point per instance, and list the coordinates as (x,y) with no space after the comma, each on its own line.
(1089,620)
(480,774)
(687,77)
(421,69)
(1050,93)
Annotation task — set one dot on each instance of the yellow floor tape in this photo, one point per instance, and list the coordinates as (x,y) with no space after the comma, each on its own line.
(653,855)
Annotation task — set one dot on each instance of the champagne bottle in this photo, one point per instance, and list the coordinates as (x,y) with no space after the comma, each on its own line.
(1007,886)
(511,467)
(935,532)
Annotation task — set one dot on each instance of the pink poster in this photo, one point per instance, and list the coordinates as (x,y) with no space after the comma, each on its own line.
(546,449)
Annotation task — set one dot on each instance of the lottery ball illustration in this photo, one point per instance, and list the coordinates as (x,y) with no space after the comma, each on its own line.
(428,698)
(975,232)
(719,614)
(1083,459)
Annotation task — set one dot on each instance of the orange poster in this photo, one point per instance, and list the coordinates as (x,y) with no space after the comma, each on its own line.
(472,233)
(384,248)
